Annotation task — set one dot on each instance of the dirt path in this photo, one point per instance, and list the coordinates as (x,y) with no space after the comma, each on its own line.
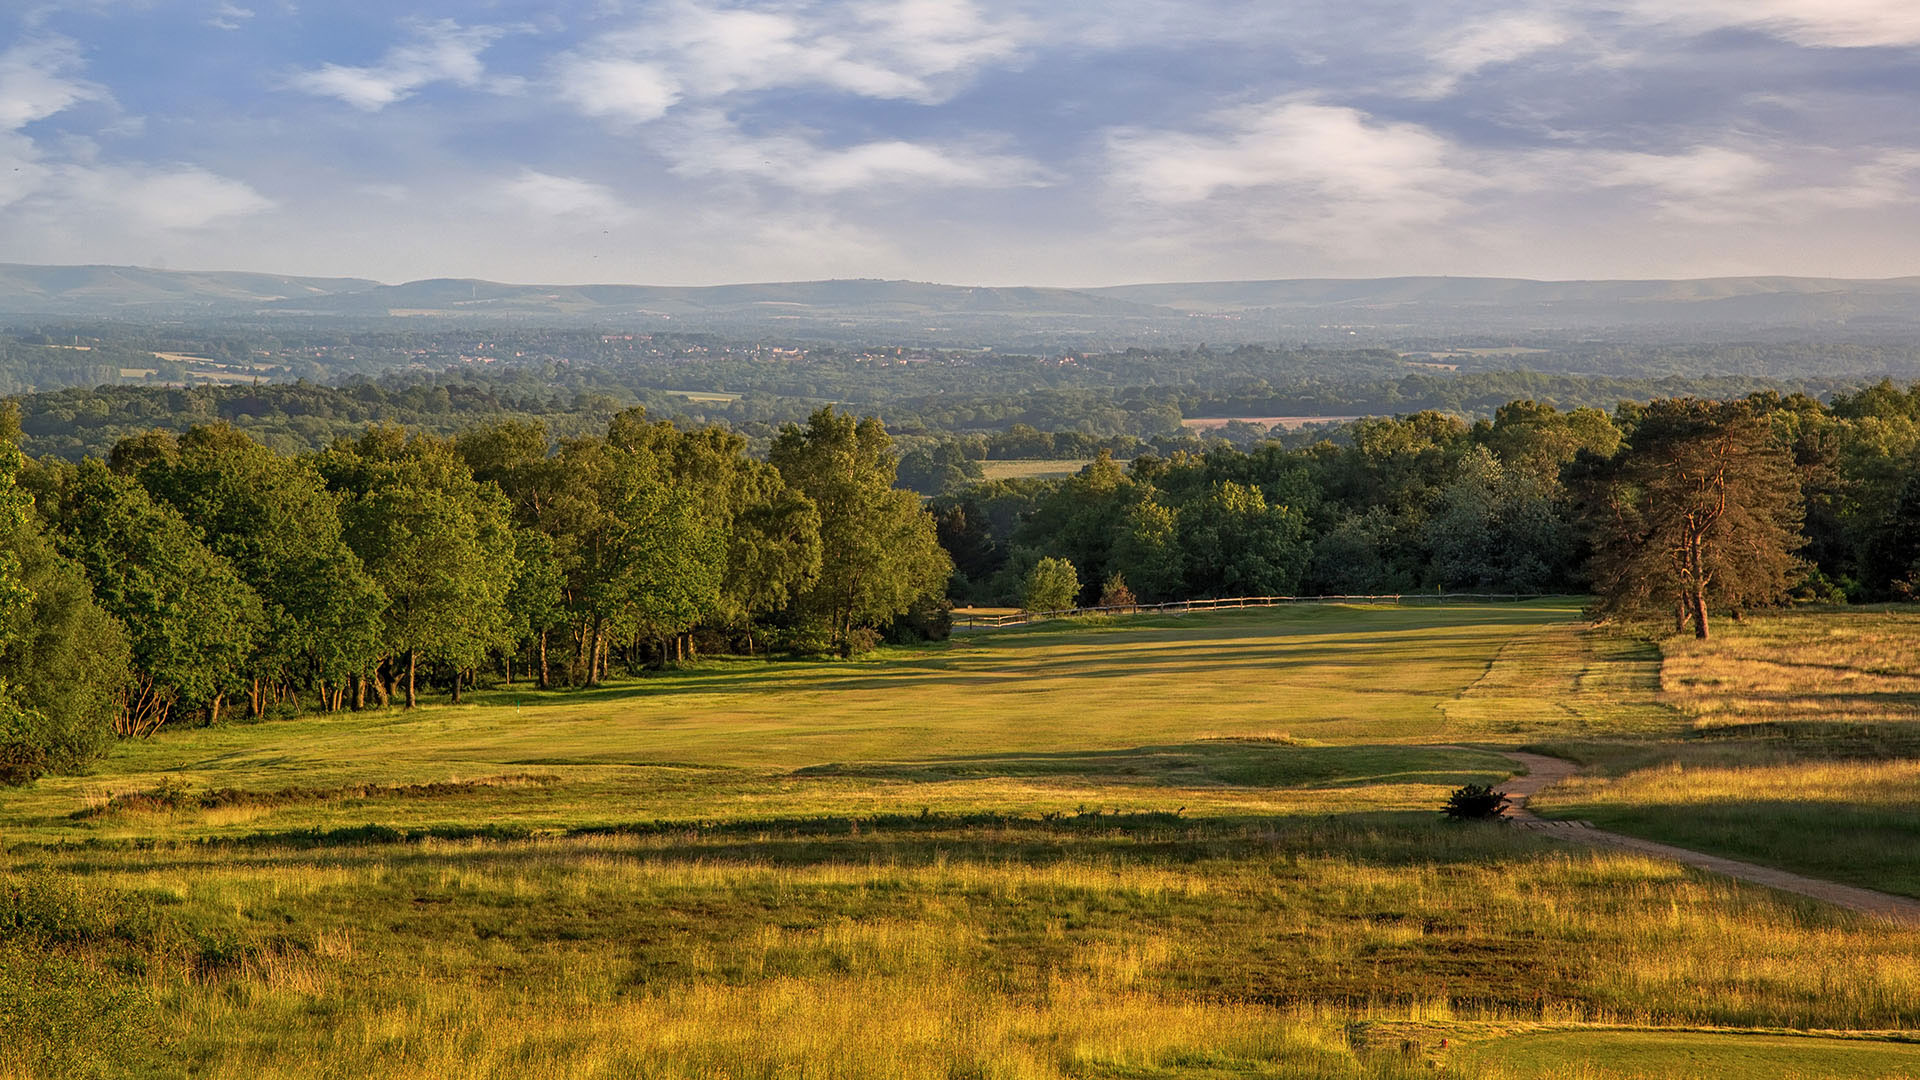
(1543,771)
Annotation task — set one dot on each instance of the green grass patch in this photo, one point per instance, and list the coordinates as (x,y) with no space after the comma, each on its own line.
(1655,1055)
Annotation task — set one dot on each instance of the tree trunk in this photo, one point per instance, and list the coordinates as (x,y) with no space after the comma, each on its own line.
(456,686)
(1679,615)
(1700,614)
(213,708)
(413,664)
(359,691)
(256,701)
(545,682)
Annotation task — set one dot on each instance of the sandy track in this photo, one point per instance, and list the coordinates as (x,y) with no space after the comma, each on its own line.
(1543,771)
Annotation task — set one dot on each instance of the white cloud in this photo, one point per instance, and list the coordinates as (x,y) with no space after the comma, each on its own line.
(547,196)
(442,52)
(1702,172)
(905,50)
(229,16)
(709,145)
(65,179)
(1335,181)
(1498,40)
(181,197)
(37,80)
(22,171)
(1824,23)
(1327,152)
(628,89)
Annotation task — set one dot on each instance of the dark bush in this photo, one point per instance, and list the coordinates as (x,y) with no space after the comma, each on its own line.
(1475,802)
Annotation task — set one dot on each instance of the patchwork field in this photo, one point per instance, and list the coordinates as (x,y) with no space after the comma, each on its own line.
(1198,846)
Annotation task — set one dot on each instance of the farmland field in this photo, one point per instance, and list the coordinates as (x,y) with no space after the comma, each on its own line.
(1195,846)
(1035,469)
(1290,423)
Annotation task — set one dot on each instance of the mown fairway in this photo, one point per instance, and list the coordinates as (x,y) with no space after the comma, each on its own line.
(1200,846)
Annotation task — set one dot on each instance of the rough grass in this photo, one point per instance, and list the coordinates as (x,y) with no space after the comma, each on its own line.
(1201,846)
(1801,749)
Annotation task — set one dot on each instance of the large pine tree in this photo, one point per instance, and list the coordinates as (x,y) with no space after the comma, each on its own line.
(1700,510)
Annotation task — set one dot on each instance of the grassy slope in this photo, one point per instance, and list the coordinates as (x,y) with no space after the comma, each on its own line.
(1139,714)
(1802,750)
(1178,847)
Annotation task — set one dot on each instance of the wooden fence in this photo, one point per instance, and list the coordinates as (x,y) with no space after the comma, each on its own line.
(1180,607)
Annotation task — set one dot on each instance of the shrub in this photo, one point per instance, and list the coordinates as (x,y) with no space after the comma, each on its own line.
(1475,802)
(1052,585)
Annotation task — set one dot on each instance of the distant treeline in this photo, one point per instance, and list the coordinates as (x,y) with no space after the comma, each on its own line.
(575,399)
(202,576)
(1429,501)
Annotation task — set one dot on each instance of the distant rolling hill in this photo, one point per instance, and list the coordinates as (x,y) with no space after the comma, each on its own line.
(1375,308)
(117,290)
(1754,300)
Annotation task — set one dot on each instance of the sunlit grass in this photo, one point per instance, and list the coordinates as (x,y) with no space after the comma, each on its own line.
(1203,846)
(1803,749)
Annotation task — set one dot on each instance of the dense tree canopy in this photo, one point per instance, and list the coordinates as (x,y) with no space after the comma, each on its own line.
(879,549)
(191,620)
(196,565)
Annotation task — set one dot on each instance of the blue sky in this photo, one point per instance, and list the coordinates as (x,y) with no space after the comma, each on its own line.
(976,141)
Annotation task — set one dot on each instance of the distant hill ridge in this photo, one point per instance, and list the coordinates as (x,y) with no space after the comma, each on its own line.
(137,292)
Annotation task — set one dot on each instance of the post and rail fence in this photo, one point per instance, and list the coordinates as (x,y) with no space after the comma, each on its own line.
(1181,607)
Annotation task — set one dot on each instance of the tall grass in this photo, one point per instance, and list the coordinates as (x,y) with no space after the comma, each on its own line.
(1053,852)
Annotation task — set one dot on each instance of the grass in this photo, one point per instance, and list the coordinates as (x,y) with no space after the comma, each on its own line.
(1800,748)
(1684,1055)
(1193,846)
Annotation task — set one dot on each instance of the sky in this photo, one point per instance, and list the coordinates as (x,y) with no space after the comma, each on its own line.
(1040,142)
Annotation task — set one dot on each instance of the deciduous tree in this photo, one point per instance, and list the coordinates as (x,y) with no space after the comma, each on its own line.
(879,551)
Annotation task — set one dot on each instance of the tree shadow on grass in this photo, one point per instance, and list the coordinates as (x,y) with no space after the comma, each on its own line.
(976,671)
(904,840)
(1211,762)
